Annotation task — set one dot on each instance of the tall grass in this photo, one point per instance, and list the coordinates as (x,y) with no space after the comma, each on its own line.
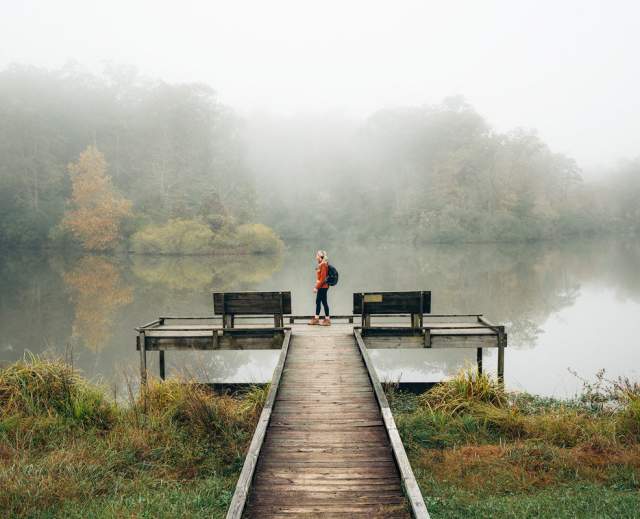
(463,393)
(34,387)
(479,451)
(64,447)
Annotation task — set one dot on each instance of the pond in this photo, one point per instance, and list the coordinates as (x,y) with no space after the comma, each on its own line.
(573,305)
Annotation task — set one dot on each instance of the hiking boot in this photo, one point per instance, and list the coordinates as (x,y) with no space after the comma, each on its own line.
(314,320)
(326,322)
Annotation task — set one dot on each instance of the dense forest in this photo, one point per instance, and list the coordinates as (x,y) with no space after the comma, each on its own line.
(432,174)
(156,164)
(117,161)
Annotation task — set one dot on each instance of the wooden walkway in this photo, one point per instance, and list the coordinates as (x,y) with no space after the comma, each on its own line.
(326,452)
(326,443)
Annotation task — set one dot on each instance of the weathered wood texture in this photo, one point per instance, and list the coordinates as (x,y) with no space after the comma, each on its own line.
(251,303)
(417,302)
(326,452)
(411,488)
(238,501)
(208,337)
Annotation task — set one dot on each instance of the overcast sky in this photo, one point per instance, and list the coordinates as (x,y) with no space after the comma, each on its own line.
(570,68)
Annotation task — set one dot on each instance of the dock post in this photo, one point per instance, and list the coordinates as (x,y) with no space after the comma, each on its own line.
(501,364)
(502,342)
(161,364)
(143,359)
(479,360)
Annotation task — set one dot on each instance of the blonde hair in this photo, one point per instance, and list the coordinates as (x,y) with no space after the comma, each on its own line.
(323,253)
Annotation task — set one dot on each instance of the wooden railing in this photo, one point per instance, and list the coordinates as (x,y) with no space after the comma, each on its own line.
(411,488)
(243,486)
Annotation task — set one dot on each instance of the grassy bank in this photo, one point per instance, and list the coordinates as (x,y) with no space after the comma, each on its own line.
(478,451)
(66,450)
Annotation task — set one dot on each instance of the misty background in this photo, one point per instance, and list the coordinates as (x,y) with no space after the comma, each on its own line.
(488,151)
(425,122)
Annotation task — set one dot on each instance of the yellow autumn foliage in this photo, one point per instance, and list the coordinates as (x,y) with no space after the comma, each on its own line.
(97,292)
(97,210)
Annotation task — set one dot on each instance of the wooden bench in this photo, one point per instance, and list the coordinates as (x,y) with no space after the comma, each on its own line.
(415,304)
(259,304)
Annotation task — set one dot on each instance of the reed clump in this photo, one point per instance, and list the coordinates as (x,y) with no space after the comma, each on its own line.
(464,392)
(37,388)
(66,450)
(197,412)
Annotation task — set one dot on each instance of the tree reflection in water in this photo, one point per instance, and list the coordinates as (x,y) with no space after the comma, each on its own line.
(98,300)
(97,293)
(205,272)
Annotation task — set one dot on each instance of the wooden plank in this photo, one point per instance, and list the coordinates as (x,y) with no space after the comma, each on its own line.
(251,303)
(411,487)
(402,331)
(322,408)
(464,341)
(241,492)
(332,495)
(161,366)
(412,302)
(450,318)
(189,317)
(371,434)
(457,341)
(212,342)
(389,343)
(151,324)
(142,346)
(180,332)
(351,510)
(256,332)
(326,434)
(330,474)
(361,464)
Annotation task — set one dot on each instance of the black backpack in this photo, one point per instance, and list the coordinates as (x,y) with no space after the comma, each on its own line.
(332,276)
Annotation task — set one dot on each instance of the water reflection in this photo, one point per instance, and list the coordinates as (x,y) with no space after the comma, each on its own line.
(420,365)
(198,273)
(548,294)
(97,293)
(224,367)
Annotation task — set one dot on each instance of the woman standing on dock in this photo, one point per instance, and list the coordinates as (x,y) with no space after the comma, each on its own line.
(321,288)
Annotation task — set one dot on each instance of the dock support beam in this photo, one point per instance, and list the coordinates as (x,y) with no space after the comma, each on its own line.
(501,364)
(143,359)
(161,364)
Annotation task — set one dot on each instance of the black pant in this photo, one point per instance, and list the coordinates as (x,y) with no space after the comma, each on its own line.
(321,297)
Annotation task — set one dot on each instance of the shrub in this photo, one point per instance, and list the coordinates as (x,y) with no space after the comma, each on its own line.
(257,238)
(177,236)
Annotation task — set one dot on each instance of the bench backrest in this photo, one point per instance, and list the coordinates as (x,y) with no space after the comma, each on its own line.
(229,304)
(392,302)
(415,303)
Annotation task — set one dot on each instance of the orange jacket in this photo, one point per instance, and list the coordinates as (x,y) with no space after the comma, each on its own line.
(321,275)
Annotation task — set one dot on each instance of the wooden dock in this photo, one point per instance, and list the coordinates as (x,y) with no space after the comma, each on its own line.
(326,451)
(326,443)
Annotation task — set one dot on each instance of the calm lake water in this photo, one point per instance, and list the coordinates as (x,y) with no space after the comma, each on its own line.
(566,305)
